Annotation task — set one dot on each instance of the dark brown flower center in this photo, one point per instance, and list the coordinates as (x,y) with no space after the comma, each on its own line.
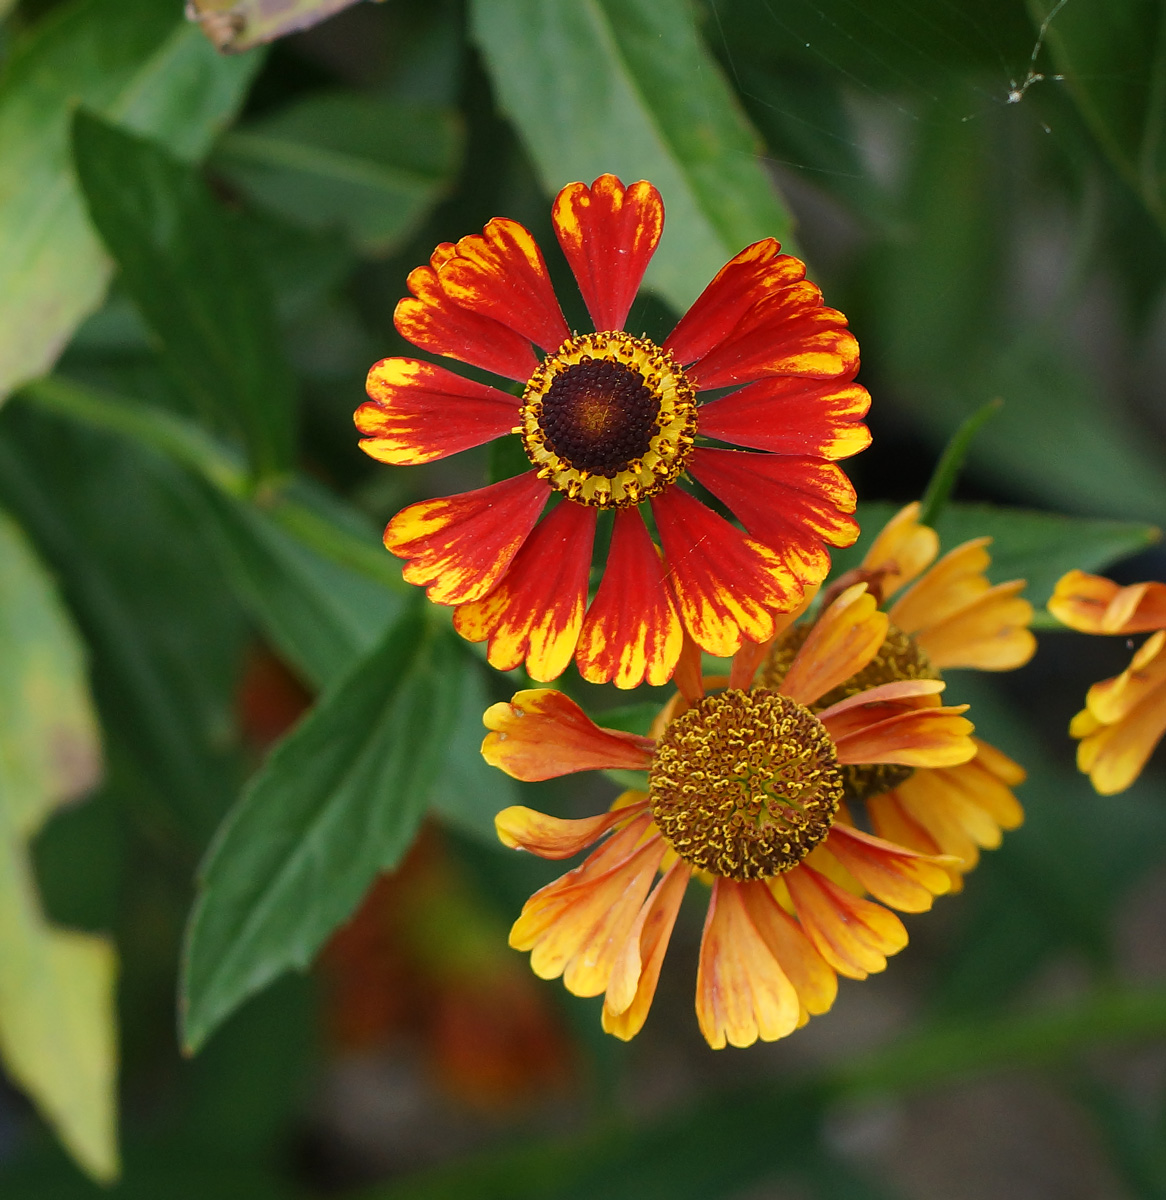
(899,657)
(599,416)
(609,419)
(745,784)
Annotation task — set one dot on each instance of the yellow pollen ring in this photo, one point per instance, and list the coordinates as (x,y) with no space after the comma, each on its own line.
(745,784)
(664,420)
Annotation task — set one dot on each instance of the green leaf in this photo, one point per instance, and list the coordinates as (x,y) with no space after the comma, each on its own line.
(338,800)
(57,1025)
(1026,544)
(370,166)
(468,792)
(137,62)
(320,615)
(236,25)
(1113,58)
(627,86)
(189,274)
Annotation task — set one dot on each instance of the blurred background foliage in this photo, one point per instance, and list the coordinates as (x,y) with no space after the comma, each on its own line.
(199,257)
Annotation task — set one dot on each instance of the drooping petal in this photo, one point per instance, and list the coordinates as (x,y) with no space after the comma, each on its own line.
(432,321)
(791,415)
(956,581)
(1093,604)
(689,677)
(1114,756)
(814,981)
(853,935)
(458,547)
(1113,699)
(842,641)
(523,828)
(632,985)
(752,654)
(901,551)
(631,633)
(742,994)
(792,505)
(788,332)
(727,585)
(500,274)
(895,696)
(920,737)
(990,634)
(895,875)
(542,734)
(744,280)
(579,931)
(536,610)
(608,234)
(419,412)
(1004,768)
(957,827)
(893,823)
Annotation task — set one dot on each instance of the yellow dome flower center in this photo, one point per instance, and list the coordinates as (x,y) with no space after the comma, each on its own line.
(899,657)
(745,784)
(609,419)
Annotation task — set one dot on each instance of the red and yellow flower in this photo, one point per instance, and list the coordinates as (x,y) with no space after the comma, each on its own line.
(941,614)
(1124,718)
(744,790)
(611,421)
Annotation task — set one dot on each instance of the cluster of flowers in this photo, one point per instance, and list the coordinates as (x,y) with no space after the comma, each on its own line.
(821,783)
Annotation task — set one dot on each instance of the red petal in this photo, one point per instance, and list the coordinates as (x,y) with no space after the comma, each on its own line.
(608,234)
(738,285)
(460,546)
(500,273)
(419,412)
(793,505)
(542,734)
(536,611)
(790,332)
(727,585)
(631,632)
(790,415)
(432,321)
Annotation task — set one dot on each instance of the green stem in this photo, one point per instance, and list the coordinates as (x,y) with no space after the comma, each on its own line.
(951,462)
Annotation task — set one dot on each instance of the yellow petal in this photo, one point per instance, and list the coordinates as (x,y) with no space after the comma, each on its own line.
(990,634)
(902,549)
(953,583)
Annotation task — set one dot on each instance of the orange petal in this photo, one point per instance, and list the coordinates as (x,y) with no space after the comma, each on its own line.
(950,585)
(852,934)
(814,981)
(996,761)
(1093,604)
(541,734)
(458,547)
(902,550)
(842,641)
(1114,756)
(582,929)
(608,234)
(951,822)
(536,610)
(418,412)
(899,877)
(979,785)
(742,994)
(688,678)
(990,634)
(636,972)
(1112,699)
(631,633)
(523,828)
(893,823)
(893,697)
(922,737)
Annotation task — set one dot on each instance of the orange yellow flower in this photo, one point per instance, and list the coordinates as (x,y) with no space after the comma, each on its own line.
(744,788)
(611,421)
(941,614)
(1124,718)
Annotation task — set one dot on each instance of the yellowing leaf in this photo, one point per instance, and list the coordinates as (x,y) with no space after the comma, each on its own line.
(234,25)
(57,1036)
